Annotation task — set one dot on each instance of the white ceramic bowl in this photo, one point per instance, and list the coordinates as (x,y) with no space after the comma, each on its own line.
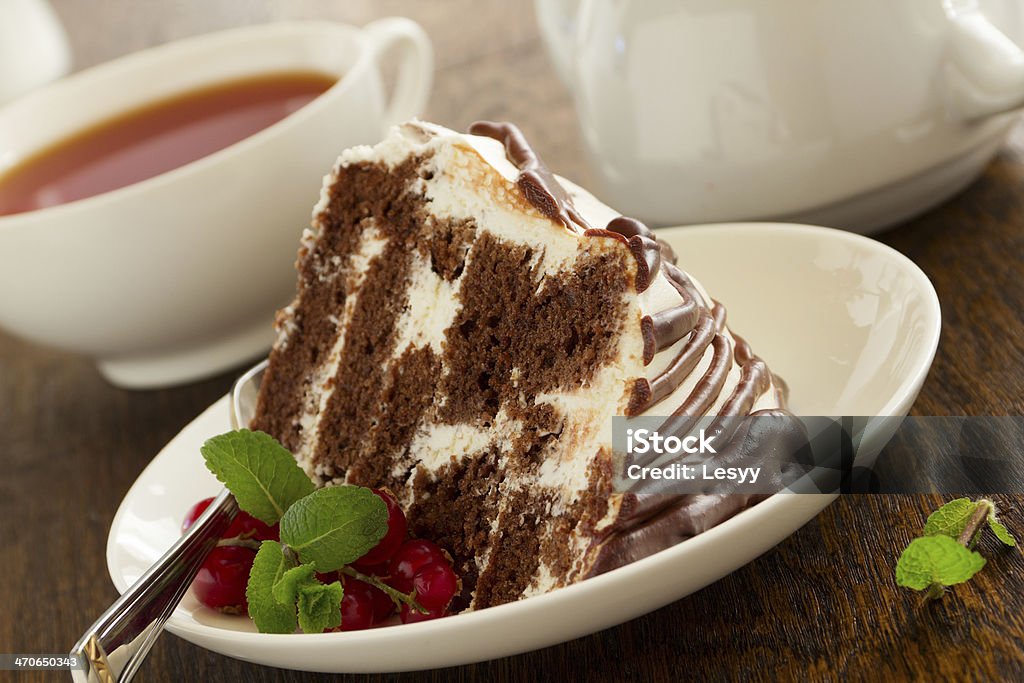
(851,324)
(178,276)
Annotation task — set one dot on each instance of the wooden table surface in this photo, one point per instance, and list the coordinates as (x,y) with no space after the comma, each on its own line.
(822,605)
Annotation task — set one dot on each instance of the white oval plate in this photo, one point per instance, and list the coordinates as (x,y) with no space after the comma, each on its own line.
(852,326)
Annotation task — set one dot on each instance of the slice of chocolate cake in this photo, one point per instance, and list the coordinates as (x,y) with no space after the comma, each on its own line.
(465,328)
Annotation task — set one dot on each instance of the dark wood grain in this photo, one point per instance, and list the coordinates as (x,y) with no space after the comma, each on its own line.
(822,605)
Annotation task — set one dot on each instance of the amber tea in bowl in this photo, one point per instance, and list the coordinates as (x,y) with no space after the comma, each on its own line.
(157,137)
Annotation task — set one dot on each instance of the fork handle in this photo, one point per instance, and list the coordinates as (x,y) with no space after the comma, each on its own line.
(114,647)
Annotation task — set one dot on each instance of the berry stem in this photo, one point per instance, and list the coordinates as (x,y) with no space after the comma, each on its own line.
(396,595)
(239,541)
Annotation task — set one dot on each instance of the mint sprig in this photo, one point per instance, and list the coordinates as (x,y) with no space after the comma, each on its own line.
(322,530)
(283,594)
(335,526)
(320,606)
(286,588)
(259,471)
(269,615)
(943,556)
(935,562)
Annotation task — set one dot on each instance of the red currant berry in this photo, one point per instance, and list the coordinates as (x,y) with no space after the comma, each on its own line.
(194,513)
(244,524)
(435,585)
(329,577)
(220,583)
(411,616)
(249,527)
(356,606)
(383,551)
(410,558)
(378,570)
(383,606)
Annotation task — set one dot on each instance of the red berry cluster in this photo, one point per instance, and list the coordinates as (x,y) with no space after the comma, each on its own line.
(414,566)
(411,566)
(220,583)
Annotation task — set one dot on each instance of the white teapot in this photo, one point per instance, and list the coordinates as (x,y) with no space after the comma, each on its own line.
(852,114)
(33,47)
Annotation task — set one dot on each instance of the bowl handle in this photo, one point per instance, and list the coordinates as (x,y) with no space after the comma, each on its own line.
(415,69)
(984,73)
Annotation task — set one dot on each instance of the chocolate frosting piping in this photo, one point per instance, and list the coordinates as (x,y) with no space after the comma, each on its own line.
(643,244)
(630,227)
(538,183)
(651,518)
(682,365)
(668,526)
(648,260)
(753,382)
(665,328)
(710,385)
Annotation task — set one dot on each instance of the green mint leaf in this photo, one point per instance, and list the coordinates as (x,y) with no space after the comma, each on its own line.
(334,526)
(286,589)
(260,472)
(267,613)
(1001,532)
(951,518)
(320,606)
(936,560)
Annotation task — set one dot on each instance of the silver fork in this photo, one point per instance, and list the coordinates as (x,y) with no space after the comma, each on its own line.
(112,649)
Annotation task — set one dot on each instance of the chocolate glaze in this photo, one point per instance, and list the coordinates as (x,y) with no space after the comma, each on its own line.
(711,384)
(537,182)
(672,524)
(601,232)
(681,366)
(643,244)
(631,227)
(743,352)
(648,260)
(665,328)
(651,517)
(753,382)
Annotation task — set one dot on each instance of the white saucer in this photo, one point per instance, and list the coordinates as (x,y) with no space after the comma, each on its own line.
(901,199)
(849,323)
